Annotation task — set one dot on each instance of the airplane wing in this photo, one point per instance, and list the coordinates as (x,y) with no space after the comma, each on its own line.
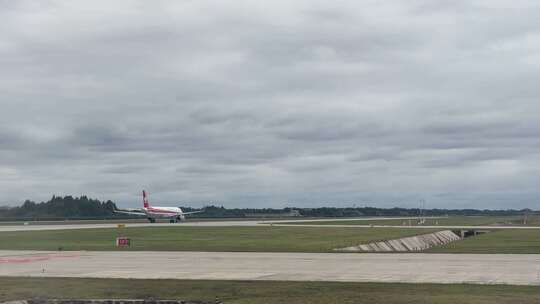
(184,213)
(192,212)
(130,211)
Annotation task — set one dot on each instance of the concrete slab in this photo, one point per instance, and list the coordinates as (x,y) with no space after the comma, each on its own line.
(63,225)
(414,268)
(248,223)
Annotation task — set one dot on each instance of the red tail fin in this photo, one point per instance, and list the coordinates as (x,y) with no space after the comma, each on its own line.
(145,199)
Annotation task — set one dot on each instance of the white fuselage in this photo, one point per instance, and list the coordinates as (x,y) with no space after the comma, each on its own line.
(169,212)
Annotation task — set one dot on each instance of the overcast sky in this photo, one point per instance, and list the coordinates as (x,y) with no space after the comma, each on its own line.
(272,103)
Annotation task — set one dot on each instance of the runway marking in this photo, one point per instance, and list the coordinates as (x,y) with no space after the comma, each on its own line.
(35,258)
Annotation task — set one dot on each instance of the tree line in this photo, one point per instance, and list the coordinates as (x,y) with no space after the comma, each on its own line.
(222,212)
(69,207)
(61,207)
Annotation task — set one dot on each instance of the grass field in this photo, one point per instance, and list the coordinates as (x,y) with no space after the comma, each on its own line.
(264,292)
(445,221)
(265,238)
(497,241)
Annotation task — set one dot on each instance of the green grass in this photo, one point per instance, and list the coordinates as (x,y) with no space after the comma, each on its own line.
(262,239)
(265,238)
(447,221)
(497,241)
(266,292)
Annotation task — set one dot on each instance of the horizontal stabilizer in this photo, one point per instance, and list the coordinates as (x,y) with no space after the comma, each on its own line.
(130,211)
(192,212)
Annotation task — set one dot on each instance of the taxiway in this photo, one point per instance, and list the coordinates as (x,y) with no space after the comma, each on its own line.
(406,268)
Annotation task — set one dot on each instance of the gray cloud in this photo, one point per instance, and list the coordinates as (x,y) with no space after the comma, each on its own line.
(290,103)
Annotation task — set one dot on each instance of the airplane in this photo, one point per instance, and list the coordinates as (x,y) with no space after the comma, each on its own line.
(175,214)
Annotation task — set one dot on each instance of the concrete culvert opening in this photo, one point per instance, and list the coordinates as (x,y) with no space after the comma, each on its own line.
(465,233)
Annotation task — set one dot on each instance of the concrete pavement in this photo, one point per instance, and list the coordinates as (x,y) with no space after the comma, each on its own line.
(246,223)
(114,225)
(343,267)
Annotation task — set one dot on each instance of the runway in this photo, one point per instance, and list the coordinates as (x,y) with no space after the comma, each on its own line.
(32,226)
(249,223)
(405,268)
(8,228)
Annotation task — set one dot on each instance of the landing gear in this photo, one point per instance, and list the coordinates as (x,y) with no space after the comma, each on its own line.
(151,220)
(172,221)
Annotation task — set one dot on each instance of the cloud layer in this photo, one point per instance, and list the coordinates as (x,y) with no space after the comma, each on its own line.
(272,104)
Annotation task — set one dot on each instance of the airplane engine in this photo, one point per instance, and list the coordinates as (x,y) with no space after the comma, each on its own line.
(181,218)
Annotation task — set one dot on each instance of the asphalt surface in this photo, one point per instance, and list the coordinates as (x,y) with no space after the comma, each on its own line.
(230,223)
(31,227)
(246,223)
(410,268)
